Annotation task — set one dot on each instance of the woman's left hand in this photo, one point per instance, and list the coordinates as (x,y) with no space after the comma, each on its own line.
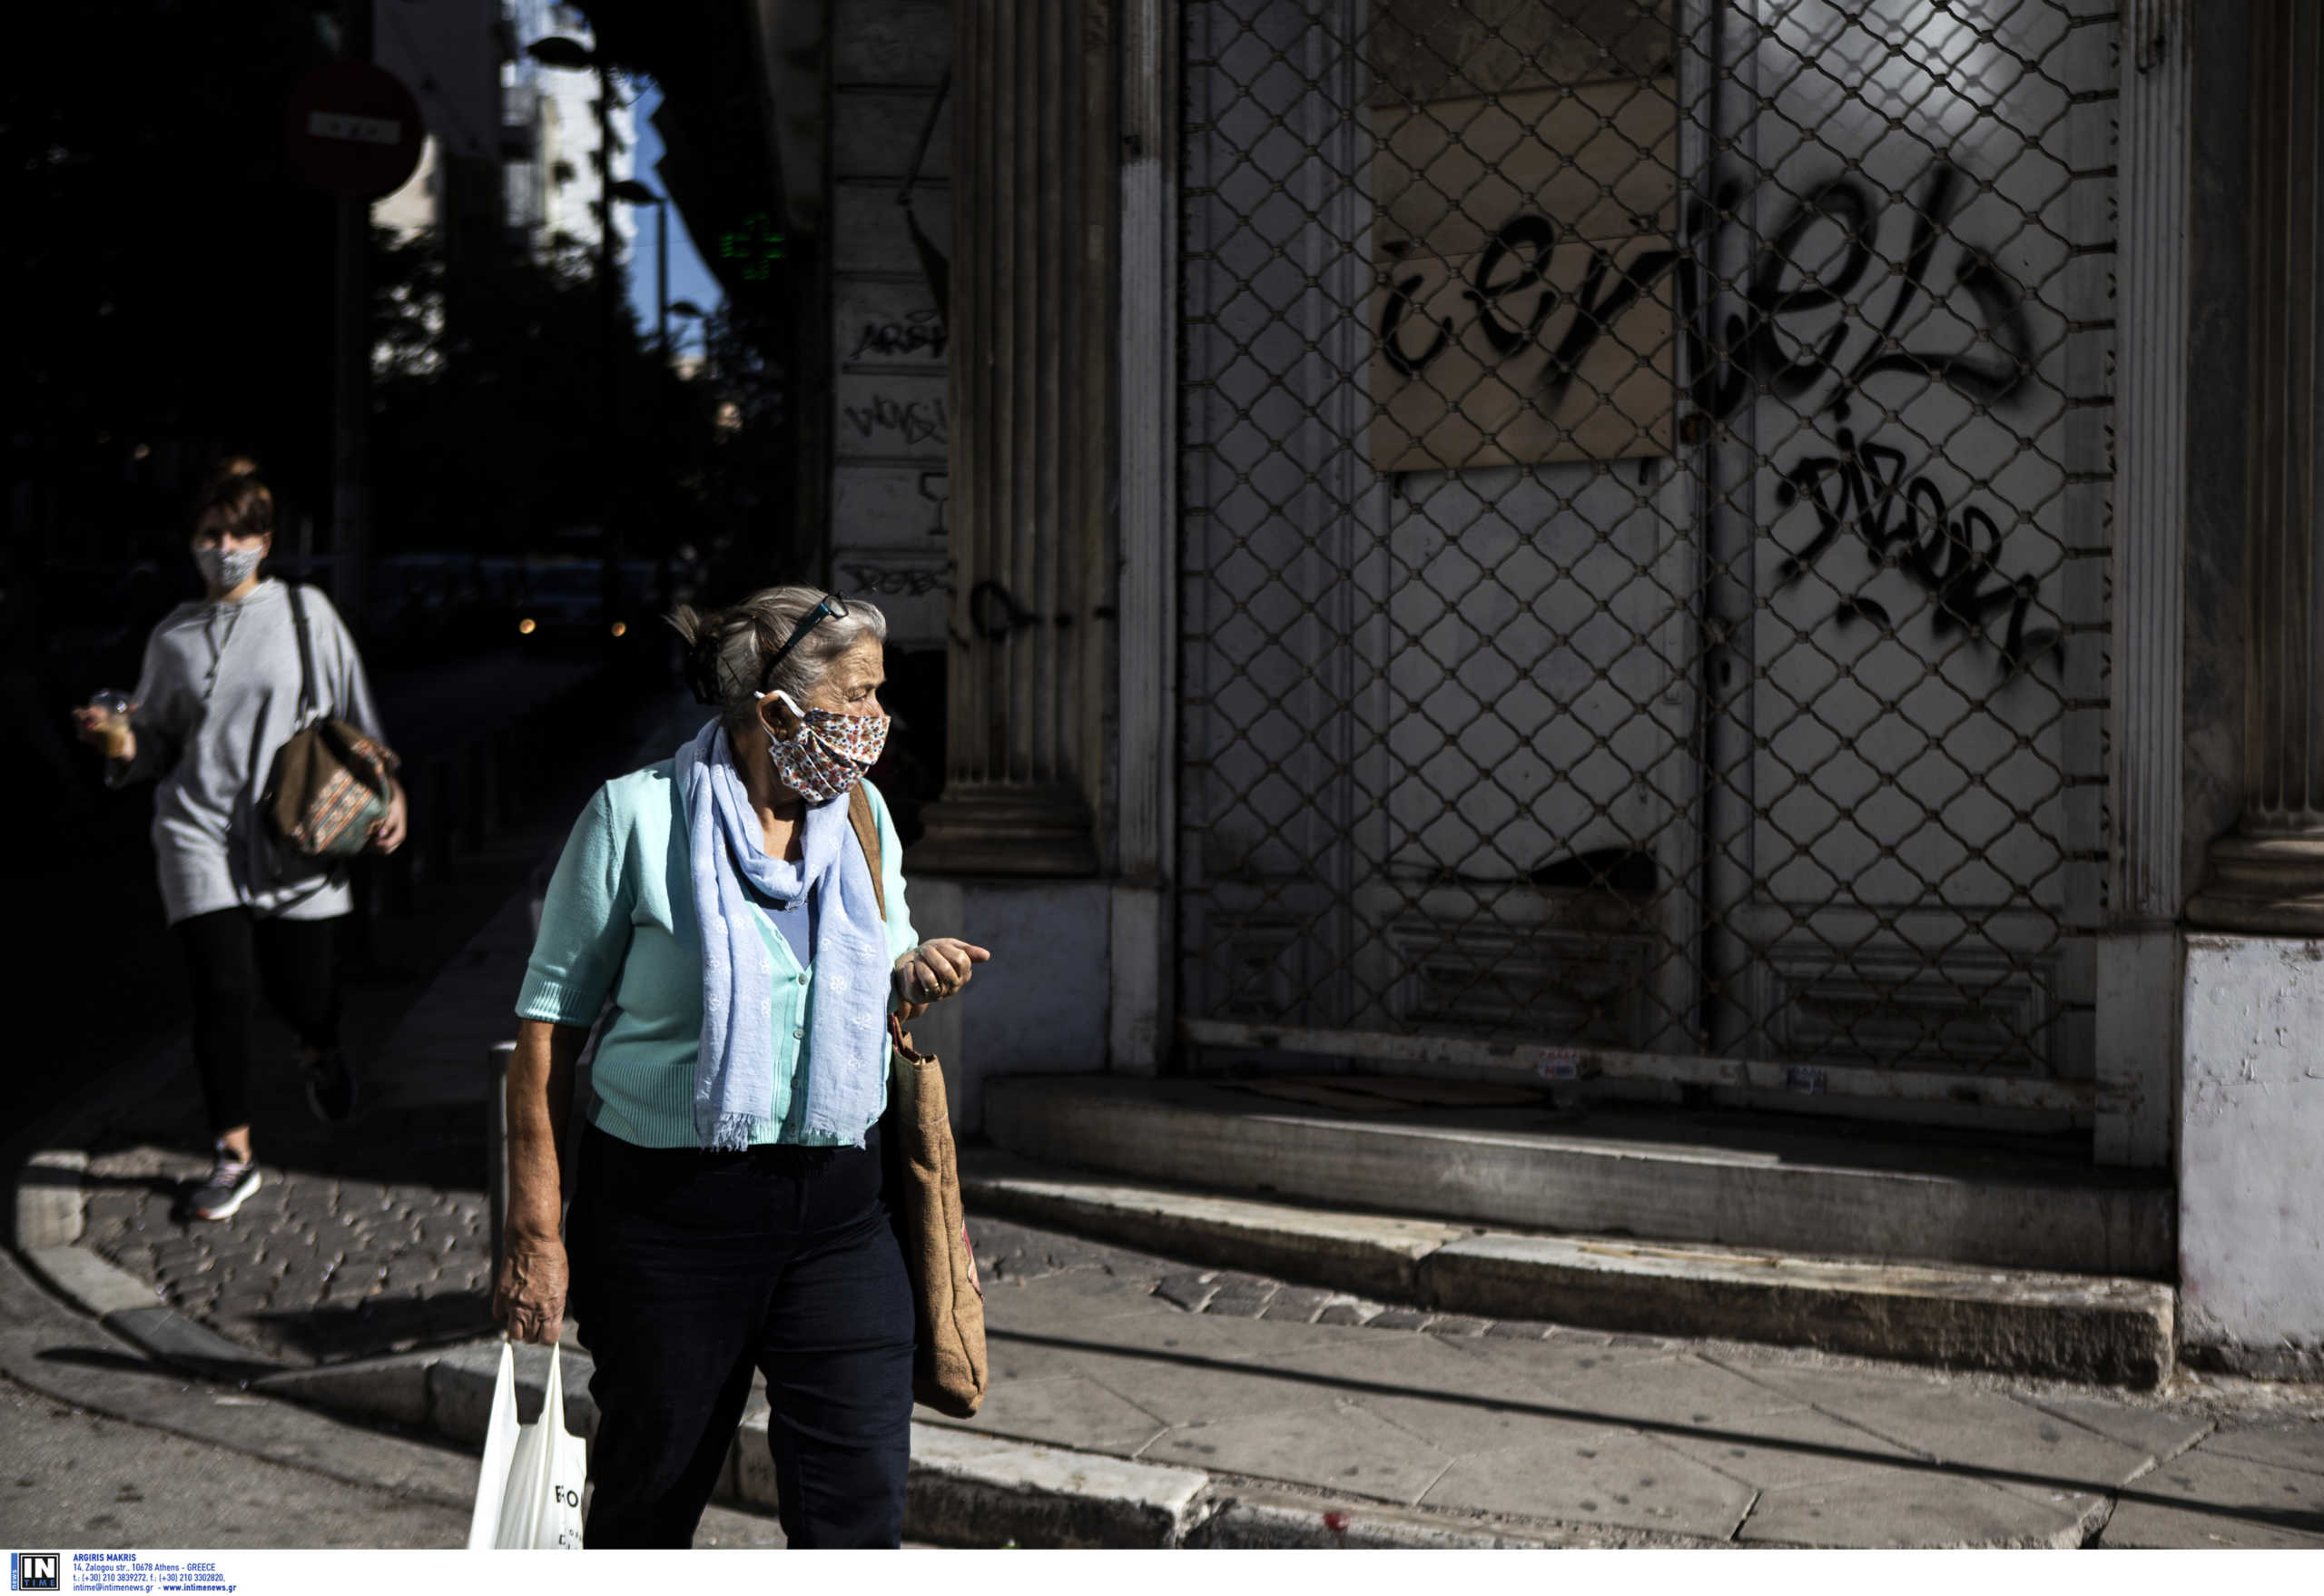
(387,834)
(936,969)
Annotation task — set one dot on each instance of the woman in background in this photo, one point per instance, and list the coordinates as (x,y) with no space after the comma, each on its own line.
(218,697)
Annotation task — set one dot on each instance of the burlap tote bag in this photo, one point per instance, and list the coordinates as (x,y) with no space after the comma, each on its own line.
(948,1300)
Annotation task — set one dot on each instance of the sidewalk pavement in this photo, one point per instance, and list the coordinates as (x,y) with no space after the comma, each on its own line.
(1279,1400)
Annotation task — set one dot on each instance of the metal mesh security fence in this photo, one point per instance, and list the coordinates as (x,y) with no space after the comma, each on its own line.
(1644,511)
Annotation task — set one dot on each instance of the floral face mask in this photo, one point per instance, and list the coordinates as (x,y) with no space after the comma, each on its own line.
(829,754)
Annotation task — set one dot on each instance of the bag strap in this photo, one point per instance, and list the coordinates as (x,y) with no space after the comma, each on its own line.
(867,836)
(308,704)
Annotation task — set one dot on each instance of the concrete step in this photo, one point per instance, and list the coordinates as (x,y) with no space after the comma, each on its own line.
(2072,1326)
(1769,1183)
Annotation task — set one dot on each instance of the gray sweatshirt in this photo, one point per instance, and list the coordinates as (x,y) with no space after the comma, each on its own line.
(219,696)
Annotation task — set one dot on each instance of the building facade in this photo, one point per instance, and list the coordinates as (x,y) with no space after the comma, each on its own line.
(1752,559)
(554,135)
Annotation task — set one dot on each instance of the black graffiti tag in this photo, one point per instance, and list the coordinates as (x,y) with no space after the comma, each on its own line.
(1750,348)
(913,580)
(918,420)
(1908,527)
(921,333)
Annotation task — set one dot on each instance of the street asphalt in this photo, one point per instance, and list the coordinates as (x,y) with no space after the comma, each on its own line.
(105,1449)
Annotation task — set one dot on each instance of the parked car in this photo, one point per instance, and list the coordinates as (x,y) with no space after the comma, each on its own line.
(564,601)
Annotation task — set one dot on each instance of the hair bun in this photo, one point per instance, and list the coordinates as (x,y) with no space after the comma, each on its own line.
(701,670)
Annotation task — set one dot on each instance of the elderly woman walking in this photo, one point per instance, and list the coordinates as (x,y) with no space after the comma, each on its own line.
(729,1210)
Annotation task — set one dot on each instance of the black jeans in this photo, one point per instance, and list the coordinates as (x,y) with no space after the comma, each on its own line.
(235,955)
(688,1267)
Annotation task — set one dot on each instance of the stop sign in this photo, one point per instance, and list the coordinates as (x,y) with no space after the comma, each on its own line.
(354,130)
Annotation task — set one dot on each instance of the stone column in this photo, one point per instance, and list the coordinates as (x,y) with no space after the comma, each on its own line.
(2139,947)
(2267,876)
(1031,402)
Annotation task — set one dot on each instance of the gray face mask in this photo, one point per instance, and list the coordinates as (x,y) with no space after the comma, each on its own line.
(226,569)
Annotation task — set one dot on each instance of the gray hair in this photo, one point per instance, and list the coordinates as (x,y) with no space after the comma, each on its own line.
(727,649)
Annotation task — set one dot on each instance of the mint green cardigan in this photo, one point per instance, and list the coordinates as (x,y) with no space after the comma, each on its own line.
(619,922)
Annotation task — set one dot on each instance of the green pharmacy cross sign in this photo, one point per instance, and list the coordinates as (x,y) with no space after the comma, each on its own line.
(755,244)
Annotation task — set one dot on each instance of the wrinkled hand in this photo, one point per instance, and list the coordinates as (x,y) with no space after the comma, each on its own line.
(528,1298)
(935,970)
(388,833)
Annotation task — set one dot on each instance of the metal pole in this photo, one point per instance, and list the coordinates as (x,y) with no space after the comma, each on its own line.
(350,443)
(662,277)
(608,308)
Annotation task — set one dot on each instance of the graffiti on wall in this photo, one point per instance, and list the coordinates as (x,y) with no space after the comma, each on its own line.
(1953,552)
(896,580)
(911,421)
(1545,347)
(916,334)
(1537,349)
(1753,346)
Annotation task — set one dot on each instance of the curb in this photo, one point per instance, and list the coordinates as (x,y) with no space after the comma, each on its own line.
(2105,1329)
(964,1488)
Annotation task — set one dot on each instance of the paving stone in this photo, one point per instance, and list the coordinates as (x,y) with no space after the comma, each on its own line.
(1298,1304)
(1776,1451)
(1189,1291)
(1518,1329)
(1180,1391)
(1400,1319)
(1075,1296)
(1236,1306)
(1337,1445)
(1346,1312)
(1457,1325)
(1190,1336)
(1579,1474)
(2296,1445)
(1595,1386)
(1876,1505)
(2207,1499)
(1364,1366)
(1984,1429)
(1069,1410)
(1237,1280)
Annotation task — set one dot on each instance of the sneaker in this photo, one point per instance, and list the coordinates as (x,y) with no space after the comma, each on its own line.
(330,1088)
(231,1181)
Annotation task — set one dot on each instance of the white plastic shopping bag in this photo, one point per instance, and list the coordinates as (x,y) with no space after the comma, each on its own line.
(529,1494)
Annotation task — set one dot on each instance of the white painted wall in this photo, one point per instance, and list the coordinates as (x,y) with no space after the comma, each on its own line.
(2251,1153)
(1042,1005)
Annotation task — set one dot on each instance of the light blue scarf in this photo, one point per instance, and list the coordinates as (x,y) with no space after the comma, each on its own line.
(843,1064)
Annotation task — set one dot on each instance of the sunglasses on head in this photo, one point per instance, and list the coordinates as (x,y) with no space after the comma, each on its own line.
(832,605)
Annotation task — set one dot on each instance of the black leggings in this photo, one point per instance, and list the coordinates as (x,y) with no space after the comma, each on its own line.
(233,955)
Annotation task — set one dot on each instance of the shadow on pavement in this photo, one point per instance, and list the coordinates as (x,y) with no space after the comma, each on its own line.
(401,1323)
(2285,1519)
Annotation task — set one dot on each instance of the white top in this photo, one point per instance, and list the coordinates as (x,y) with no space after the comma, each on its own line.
(219,696)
